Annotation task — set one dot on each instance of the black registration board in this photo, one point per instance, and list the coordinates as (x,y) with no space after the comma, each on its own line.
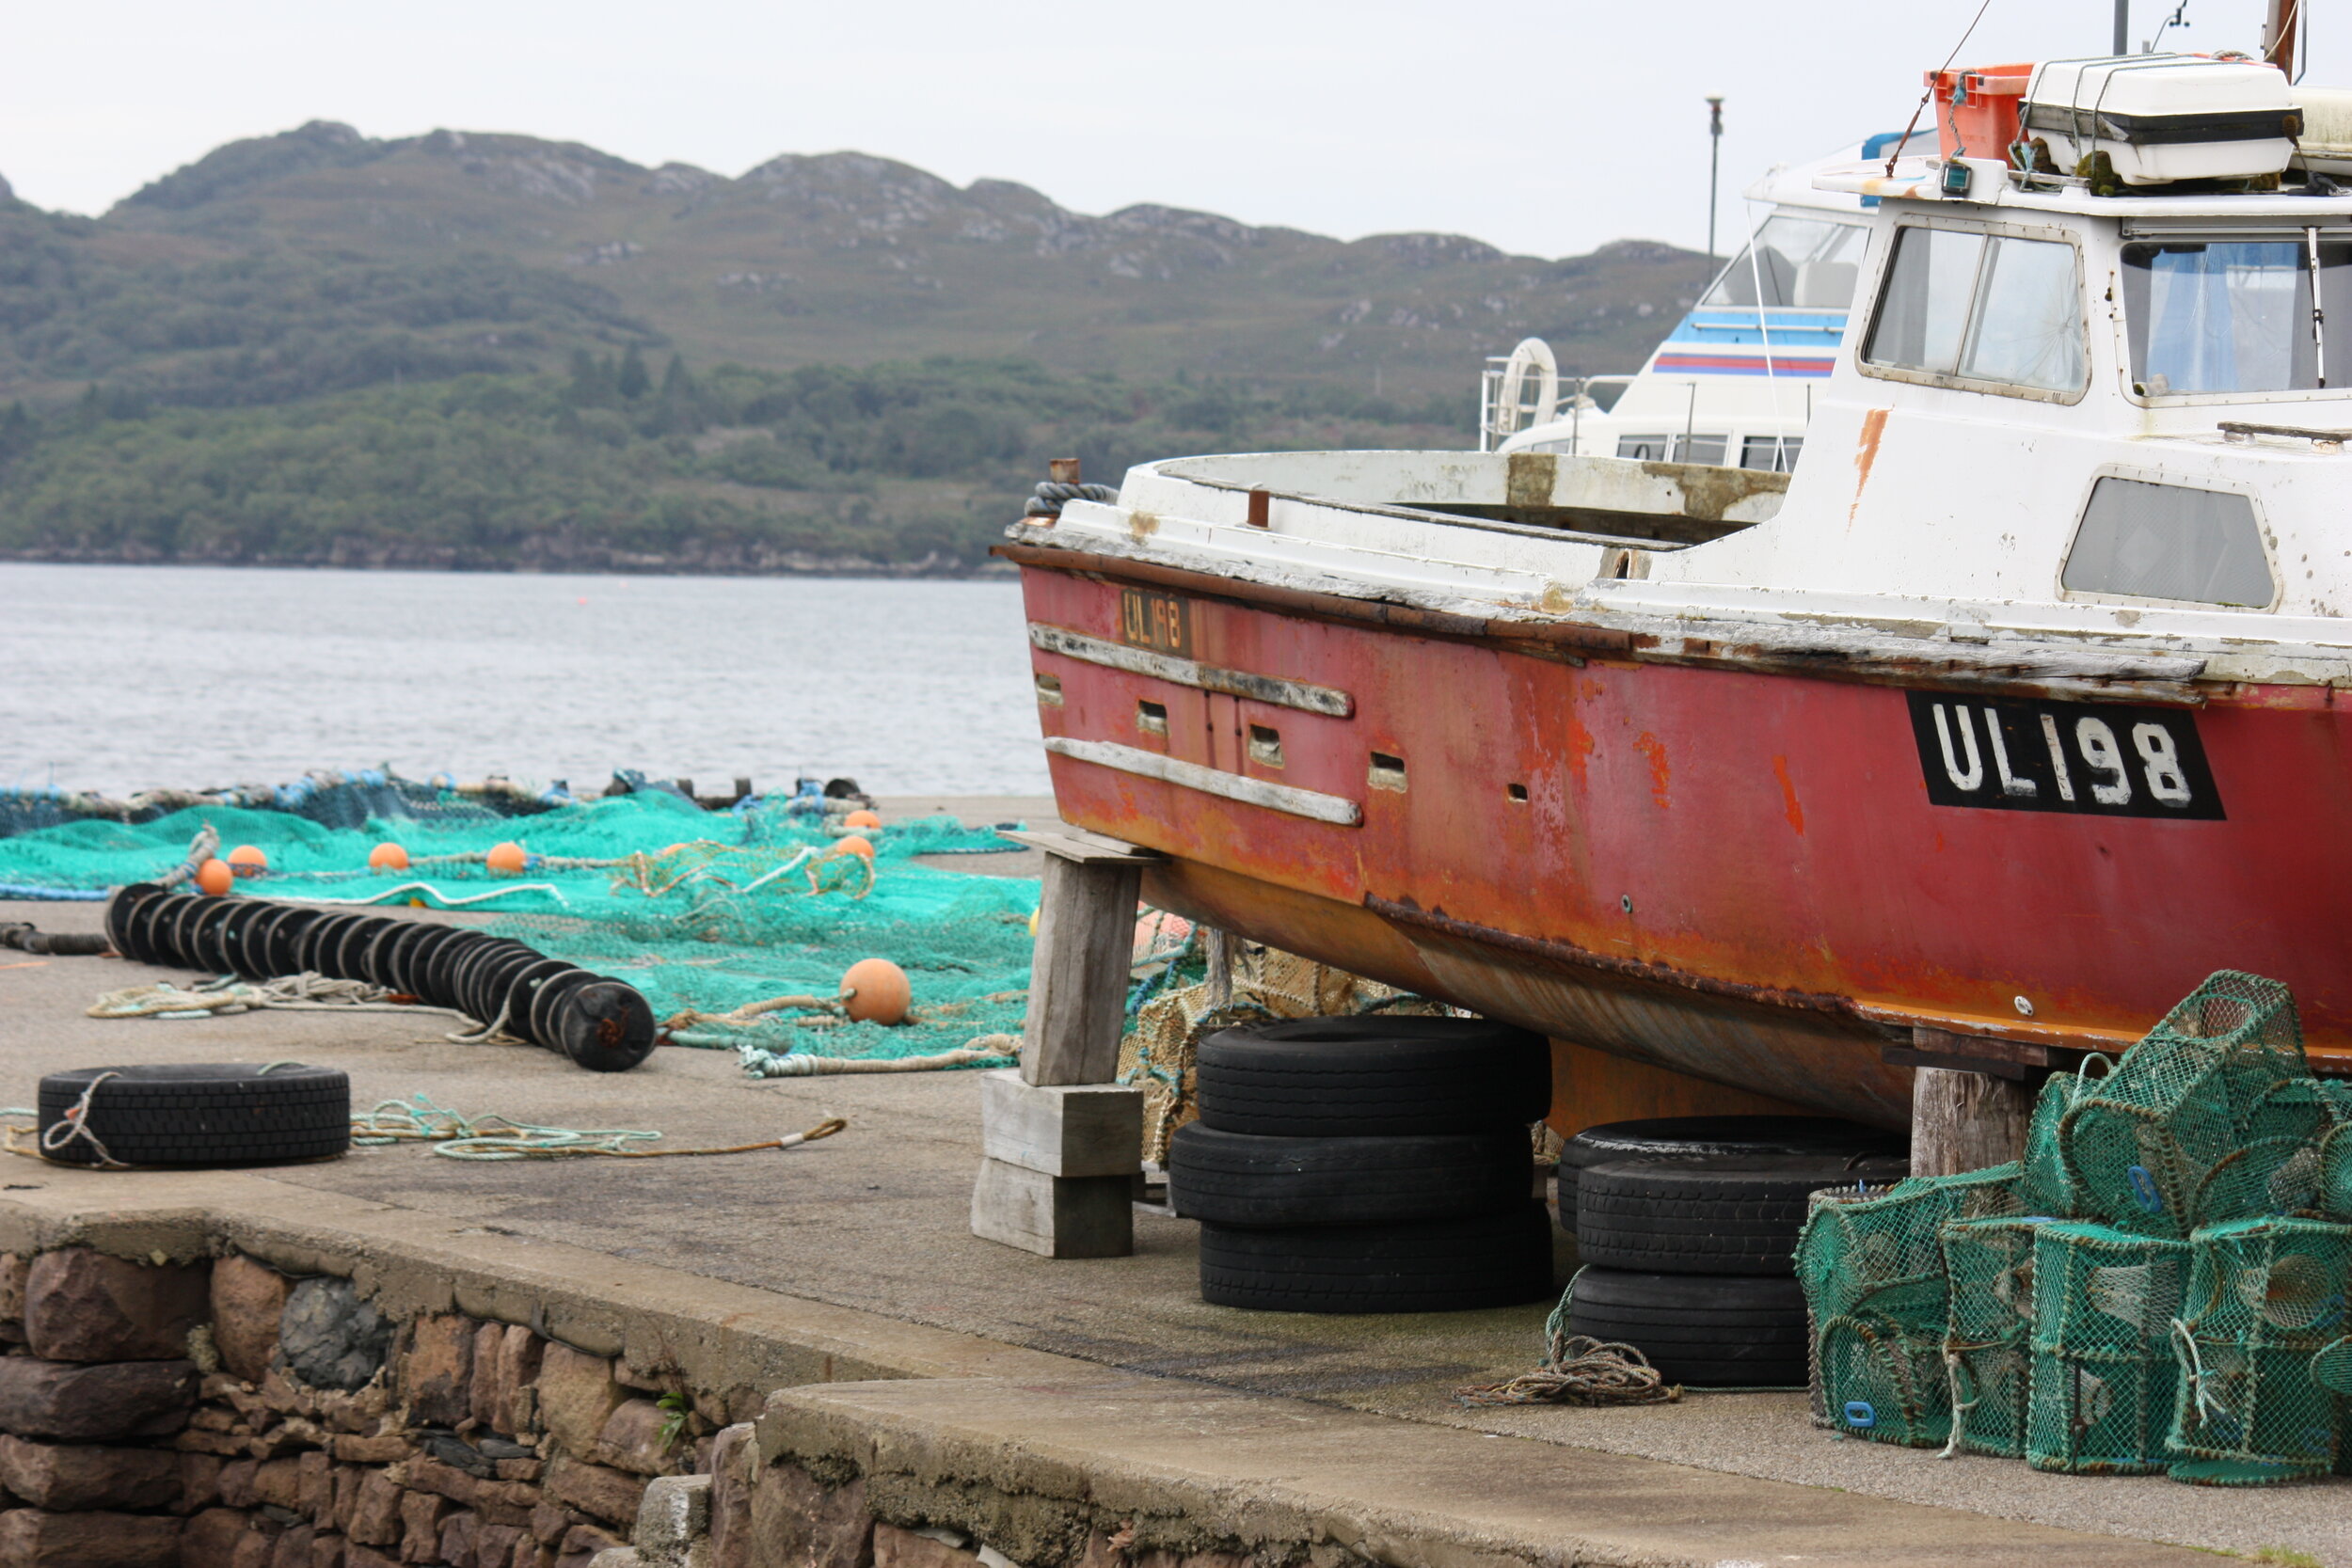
(2100,759)
(1148,620)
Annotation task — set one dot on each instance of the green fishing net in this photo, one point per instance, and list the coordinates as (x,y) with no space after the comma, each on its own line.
(1987,1341)
(2263,1352)
(2103,1369)
(703,911)
(2209,1118)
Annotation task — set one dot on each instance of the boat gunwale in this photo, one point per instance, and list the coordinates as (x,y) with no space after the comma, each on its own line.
(2055,671)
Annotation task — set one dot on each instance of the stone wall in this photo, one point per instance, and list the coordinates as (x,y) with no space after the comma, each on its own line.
(219,1414)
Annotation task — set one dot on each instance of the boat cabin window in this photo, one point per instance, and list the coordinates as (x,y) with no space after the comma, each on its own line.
(2236,315)
(1699,448)
(1981,308)
(1774,454)
(2169,542)
(1807,263)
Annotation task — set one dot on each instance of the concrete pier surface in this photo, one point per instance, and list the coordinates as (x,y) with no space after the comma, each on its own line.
(866,1235)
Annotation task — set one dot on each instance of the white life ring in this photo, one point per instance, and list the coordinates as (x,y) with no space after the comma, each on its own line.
(1532,356)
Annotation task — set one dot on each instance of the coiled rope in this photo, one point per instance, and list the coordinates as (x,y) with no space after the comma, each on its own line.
(1577,1370)
(1052,494)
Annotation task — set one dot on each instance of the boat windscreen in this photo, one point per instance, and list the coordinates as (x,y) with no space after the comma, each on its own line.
(1799,262)
(2236,315)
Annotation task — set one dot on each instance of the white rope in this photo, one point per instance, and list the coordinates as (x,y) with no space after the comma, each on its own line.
(308,992)
(74,1127)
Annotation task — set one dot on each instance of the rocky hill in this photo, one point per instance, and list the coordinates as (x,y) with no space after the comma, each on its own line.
(295,284)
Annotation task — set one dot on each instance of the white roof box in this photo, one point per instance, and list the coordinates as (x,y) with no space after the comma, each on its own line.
(2162,117)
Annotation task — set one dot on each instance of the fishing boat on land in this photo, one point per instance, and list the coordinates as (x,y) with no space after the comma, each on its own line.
(1977,739)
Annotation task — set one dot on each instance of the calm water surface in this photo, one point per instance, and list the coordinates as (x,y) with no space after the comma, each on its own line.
(125,677)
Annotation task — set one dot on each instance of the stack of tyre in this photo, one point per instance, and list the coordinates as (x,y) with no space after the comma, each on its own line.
(1685,1229)
(1367,1164)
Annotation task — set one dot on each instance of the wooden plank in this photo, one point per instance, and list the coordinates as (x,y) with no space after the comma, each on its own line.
(1054,1216)
(1061,1128)
(1086,927)
(1902,1056)
(1965,1120)
(1276,690)
(1287,799)
(1077,844)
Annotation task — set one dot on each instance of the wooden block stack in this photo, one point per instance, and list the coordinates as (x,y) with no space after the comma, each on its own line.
(1062,1143)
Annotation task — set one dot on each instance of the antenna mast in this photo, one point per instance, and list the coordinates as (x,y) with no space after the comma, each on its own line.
(1715,164)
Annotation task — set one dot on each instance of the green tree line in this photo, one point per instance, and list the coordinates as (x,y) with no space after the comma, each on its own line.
(616,463)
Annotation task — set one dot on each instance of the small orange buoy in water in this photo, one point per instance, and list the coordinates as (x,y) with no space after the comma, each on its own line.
(506,860)
(853,845)
(861,819)
(214,876)
(387,857)
(875,991)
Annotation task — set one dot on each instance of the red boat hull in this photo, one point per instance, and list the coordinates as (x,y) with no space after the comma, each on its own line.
(1740,877)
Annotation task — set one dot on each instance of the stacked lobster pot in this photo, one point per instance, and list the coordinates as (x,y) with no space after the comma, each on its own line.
(2159,1287)
(1367,1164)
(599,1023)
(1685,1229)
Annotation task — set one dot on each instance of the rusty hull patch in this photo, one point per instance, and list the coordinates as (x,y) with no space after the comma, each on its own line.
(1553,951)
(1709,492)
(1528,479)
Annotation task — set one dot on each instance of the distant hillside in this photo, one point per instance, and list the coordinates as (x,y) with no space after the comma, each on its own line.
(191,376)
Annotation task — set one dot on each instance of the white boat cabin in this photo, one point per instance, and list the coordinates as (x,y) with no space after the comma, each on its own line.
(2066,410)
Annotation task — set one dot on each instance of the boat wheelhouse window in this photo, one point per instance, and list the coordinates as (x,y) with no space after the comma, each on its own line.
(1774,455)
(1674,448)
(2169,542)
(1981,308)
(1805,264)
(2236,315)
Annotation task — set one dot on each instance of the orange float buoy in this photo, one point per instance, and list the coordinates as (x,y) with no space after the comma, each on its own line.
(214,876)
(387,857)
(247,859)
(860,818)
(506,860)
(1159,931)
(1033,914)
(854,846)
(875,991)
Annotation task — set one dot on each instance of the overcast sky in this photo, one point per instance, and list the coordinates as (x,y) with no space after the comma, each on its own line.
(1545,128)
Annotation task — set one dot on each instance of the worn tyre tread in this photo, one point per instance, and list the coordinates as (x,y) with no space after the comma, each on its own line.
(1372,1076)
(1243,1179)
(219,1114)
(1432,1266)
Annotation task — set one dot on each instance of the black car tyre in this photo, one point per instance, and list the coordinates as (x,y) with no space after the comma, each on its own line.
(1430,1266)
(1707,1216)
(1714,1139)
(1370,1076)
(1709,1331)
(1247,1180)
(206,1115)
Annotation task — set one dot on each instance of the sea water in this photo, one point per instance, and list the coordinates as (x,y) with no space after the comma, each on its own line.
(125,677)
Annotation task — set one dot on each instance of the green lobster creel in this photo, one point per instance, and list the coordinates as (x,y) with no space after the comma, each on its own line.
(2201,1120)
(1989,1331)
(1882,1382)
(2102,1373)
(2046,1189)
(1871,1261)
(2263,1354)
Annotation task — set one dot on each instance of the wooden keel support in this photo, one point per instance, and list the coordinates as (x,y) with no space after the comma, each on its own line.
(1064,1144)
(1965,1120)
